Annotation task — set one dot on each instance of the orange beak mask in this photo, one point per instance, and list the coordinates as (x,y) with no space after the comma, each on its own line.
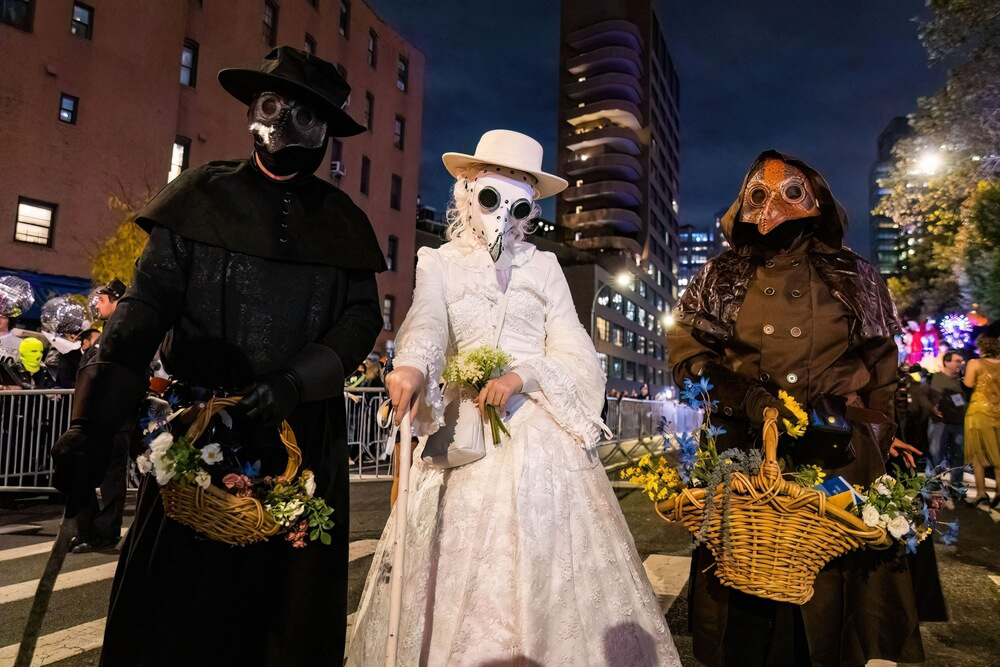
(777,191)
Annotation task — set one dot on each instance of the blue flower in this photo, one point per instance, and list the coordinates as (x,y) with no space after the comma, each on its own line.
(705,385)
(911,543)
(251,470)
(714,431)
(661,427)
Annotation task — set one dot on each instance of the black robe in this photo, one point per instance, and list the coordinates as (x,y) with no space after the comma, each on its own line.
(240,273)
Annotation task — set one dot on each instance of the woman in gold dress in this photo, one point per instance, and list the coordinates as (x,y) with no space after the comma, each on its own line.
(982,419)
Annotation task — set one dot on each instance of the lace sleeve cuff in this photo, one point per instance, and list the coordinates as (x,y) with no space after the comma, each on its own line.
(429,359)
(560,396)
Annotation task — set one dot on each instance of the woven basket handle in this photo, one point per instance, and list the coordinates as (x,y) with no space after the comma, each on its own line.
(770,469)
(214,405)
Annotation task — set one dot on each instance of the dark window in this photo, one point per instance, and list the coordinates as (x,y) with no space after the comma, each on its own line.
(403,74)
(630,370)
(35,220)
(345,18)
(189,63)
(337,168)
(310,45)
(369,111)
(391,250)
(82,24)
(270,34)
(179,157)
(18,13)
(372,49)
(399,132)
(630,339)
(68,106)
(395,192)
(366,168)
(388,303)
(616,368)
(617,335)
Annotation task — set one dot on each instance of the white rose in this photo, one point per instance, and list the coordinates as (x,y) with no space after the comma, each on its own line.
(870,515)
(211,454)
(310,485)
(143,463)
(203,479)
(883,520)
(887,480)
(159,460)
(165,474)
(162,443)
(899,526)
(882,489)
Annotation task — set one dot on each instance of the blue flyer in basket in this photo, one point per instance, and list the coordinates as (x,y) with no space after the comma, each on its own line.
(840,492)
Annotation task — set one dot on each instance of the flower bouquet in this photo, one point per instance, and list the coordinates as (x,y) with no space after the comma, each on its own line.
(473,369)
(205,487)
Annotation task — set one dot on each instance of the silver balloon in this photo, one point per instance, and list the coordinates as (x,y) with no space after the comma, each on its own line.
(64,314)
(16,296)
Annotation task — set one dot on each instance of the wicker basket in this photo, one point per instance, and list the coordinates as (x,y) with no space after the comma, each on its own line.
(215,513)
(780,534)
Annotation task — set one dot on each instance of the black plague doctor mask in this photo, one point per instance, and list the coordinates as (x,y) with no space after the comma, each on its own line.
(290,137)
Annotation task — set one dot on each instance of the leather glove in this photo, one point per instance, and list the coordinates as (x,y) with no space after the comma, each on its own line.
(271,399)
(756,399)
(80,458)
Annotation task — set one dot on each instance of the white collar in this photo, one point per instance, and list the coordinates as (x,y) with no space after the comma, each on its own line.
(477,257)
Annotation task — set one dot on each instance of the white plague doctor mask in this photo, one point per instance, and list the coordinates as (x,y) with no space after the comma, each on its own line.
(500,198)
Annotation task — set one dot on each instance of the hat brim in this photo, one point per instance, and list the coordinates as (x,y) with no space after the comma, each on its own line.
(243,84)
(546,185)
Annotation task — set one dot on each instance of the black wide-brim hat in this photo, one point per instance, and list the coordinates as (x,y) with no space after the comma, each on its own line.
(301,76)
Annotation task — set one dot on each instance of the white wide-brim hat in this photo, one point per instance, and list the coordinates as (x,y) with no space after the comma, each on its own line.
(513,150)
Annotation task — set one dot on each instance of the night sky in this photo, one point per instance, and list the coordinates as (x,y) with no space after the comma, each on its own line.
(818,79)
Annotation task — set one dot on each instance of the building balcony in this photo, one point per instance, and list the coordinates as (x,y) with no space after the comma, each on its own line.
(620,139)
(621,243)
(621,219)
(616,193)
(602,86)
(604,165)
(618,112)
(613,32)
(607,59)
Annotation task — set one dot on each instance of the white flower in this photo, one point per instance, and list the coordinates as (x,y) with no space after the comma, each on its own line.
(295,508)
(166,473)
(310,484)
(202,479)
(143,463)
(211,454)
(883,520)
(159,460)
(899,526)
(882,489)
(162,443)
(870,515)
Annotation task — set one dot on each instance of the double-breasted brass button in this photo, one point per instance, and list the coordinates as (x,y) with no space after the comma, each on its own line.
(768,329)
(792,378)
(769,263)
(764,377)
(796,293)
(796,262)
(796,332)
(769,291)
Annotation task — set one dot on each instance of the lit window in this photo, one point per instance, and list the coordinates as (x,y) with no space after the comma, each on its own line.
(34,222)
(345,18)
(391,252)
(372,49)
(178,157)
(396,193)
(403,74)
(68,106)
(82,24)
(399,132)
(189,63)
(270,32)
(388,303)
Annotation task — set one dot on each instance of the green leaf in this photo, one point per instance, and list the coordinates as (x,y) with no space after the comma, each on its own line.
(314,534)
(325,538)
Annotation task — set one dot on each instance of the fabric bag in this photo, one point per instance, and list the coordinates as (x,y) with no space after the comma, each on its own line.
(828,440)
(462,438)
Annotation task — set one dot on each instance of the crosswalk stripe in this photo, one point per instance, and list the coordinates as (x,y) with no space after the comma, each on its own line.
(33,549)
(26,589)
(995,579)
(60,645)
(667,575)
(360,549)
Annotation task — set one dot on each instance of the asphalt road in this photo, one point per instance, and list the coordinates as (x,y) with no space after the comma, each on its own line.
(969,571)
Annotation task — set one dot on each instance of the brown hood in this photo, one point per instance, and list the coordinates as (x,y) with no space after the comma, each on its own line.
(830,228)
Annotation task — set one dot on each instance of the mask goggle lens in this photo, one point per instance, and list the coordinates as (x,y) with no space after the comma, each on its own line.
(489,201)
(274,111)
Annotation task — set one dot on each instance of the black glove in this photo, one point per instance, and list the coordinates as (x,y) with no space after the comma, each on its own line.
(756,399)
(80,458)
(271,399)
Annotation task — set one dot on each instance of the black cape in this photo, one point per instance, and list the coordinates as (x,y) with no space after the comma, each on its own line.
(225,300)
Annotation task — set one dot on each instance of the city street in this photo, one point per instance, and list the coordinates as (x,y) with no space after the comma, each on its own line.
(73,629)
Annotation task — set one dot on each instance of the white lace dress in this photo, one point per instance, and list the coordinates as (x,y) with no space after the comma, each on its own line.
(524,557)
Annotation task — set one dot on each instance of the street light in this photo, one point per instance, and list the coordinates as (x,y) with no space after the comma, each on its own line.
(928,162)
(668,320)
(623,280)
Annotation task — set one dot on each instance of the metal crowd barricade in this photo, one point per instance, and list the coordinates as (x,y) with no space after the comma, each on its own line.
(635,423)
(366,440)
(30,423)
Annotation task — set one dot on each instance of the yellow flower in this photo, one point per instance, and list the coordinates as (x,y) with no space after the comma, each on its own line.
(797,429)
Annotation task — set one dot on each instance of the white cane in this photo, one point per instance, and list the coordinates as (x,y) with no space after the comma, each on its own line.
(399,548)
